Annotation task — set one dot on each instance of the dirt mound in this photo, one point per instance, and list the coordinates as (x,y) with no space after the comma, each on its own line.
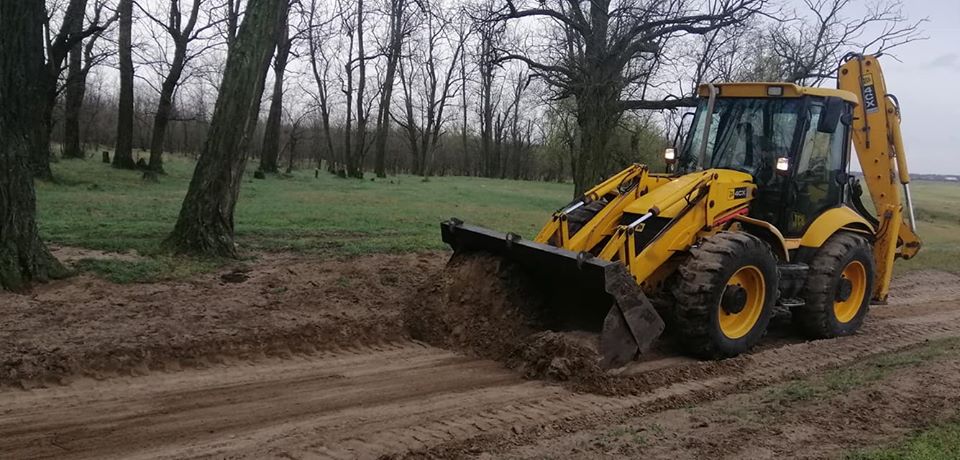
(486,307)
(562,356)
(489,308)
(283,304)
(476,305)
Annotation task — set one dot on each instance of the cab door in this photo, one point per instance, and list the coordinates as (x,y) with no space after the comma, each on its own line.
(819,167)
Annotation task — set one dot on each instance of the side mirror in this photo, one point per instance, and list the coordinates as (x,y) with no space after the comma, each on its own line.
(833,109)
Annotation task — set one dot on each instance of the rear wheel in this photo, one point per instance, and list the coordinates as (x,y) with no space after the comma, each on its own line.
(837,291)
(724,295)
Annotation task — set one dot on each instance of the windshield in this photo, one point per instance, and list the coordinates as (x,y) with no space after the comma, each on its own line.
(746,134)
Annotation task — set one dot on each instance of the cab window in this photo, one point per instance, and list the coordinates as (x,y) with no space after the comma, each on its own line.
(818,165)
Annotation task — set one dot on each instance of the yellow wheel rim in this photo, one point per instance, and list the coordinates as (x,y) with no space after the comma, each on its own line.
(739,324)
(856,274)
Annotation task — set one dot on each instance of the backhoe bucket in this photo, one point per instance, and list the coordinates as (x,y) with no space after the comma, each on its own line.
(582,292)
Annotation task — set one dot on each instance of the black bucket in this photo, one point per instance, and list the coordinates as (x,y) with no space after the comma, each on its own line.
(583,292)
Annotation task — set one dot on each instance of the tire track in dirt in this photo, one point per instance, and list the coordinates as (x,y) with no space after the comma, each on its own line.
(758,370)
(398,398)
(368,402)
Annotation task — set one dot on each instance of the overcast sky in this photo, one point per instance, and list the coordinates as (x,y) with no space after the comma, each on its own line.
(927,83)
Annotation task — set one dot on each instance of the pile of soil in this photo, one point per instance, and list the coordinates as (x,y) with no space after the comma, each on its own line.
(561,356)
(486,307)
(489,308)
(276,306)
(477,305)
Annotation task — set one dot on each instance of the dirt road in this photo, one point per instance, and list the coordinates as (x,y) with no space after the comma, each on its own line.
(404,397)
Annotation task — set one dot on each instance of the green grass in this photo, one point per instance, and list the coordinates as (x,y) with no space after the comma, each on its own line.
(97,207)
(842,380)
(938,224)
(150,269)
(939,443)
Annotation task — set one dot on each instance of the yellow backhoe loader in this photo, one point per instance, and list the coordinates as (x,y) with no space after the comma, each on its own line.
(758,212)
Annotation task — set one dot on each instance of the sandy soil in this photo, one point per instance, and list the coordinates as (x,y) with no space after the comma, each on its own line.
(766,424)
(281,304)
(305,358)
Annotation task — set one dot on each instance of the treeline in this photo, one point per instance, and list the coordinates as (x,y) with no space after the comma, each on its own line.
(537,89)
(538,150)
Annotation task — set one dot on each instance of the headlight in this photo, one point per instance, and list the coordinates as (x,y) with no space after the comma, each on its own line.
(783,165)
(670,155)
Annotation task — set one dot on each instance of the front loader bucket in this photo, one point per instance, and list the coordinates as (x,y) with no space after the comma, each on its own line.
(583,292)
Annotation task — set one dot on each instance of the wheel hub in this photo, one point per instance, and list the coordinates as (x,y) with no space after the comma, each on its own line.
(734,299)
(844,290)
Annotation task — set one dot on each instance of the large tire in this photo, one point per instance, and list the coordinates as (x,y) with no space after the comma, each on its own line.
(838,288)
(706,292)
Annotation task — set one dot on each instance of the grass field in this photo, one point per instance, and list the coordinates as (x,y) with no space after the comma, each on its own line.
(938,443)
(97,207)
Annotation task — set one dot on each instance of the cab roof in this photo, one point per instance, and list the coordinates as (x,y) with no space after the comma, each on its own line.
(760,89)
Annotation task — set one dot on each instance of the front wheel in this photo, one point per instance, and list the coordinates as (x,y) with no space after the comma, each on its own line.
(837,291)
(724,295)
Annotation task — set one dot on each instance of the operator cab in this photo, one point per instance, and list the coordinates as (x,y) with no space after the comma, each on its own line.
(793,140)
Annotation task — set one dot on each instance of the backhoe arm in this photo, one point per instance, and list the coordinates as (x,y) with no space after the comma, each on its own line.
(879,145)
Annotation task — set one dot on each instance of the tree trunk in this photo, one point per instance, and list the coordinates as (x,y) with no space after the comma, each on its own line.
(205,224)
(270,151)
(165,106)
(345,169)
(356,170)
(70,32)
(123,153)
(40,138)
(161,119)
(23,257)
(597,117)
(397,8)
(73,102)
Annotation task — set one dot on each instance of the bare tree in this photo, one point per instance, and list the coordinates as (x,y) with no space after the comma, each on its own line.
(320,68)
(600,50)
(360,143)
(270,150)
(205,224)
(82,58)
(518,134)
(123,153)
(809,47)
(57,47)
(490,33)
(398,30)
(295,134)
(438,79)
(349,30)
(233,11)
(183,31)
(23,257)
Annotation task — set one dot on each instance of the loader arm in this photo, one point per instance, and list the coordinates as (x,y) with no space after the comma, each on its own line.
(879,145)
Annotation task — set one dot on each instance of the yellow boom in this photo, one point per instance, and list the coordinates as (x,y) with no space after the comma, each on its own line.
(876,136)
